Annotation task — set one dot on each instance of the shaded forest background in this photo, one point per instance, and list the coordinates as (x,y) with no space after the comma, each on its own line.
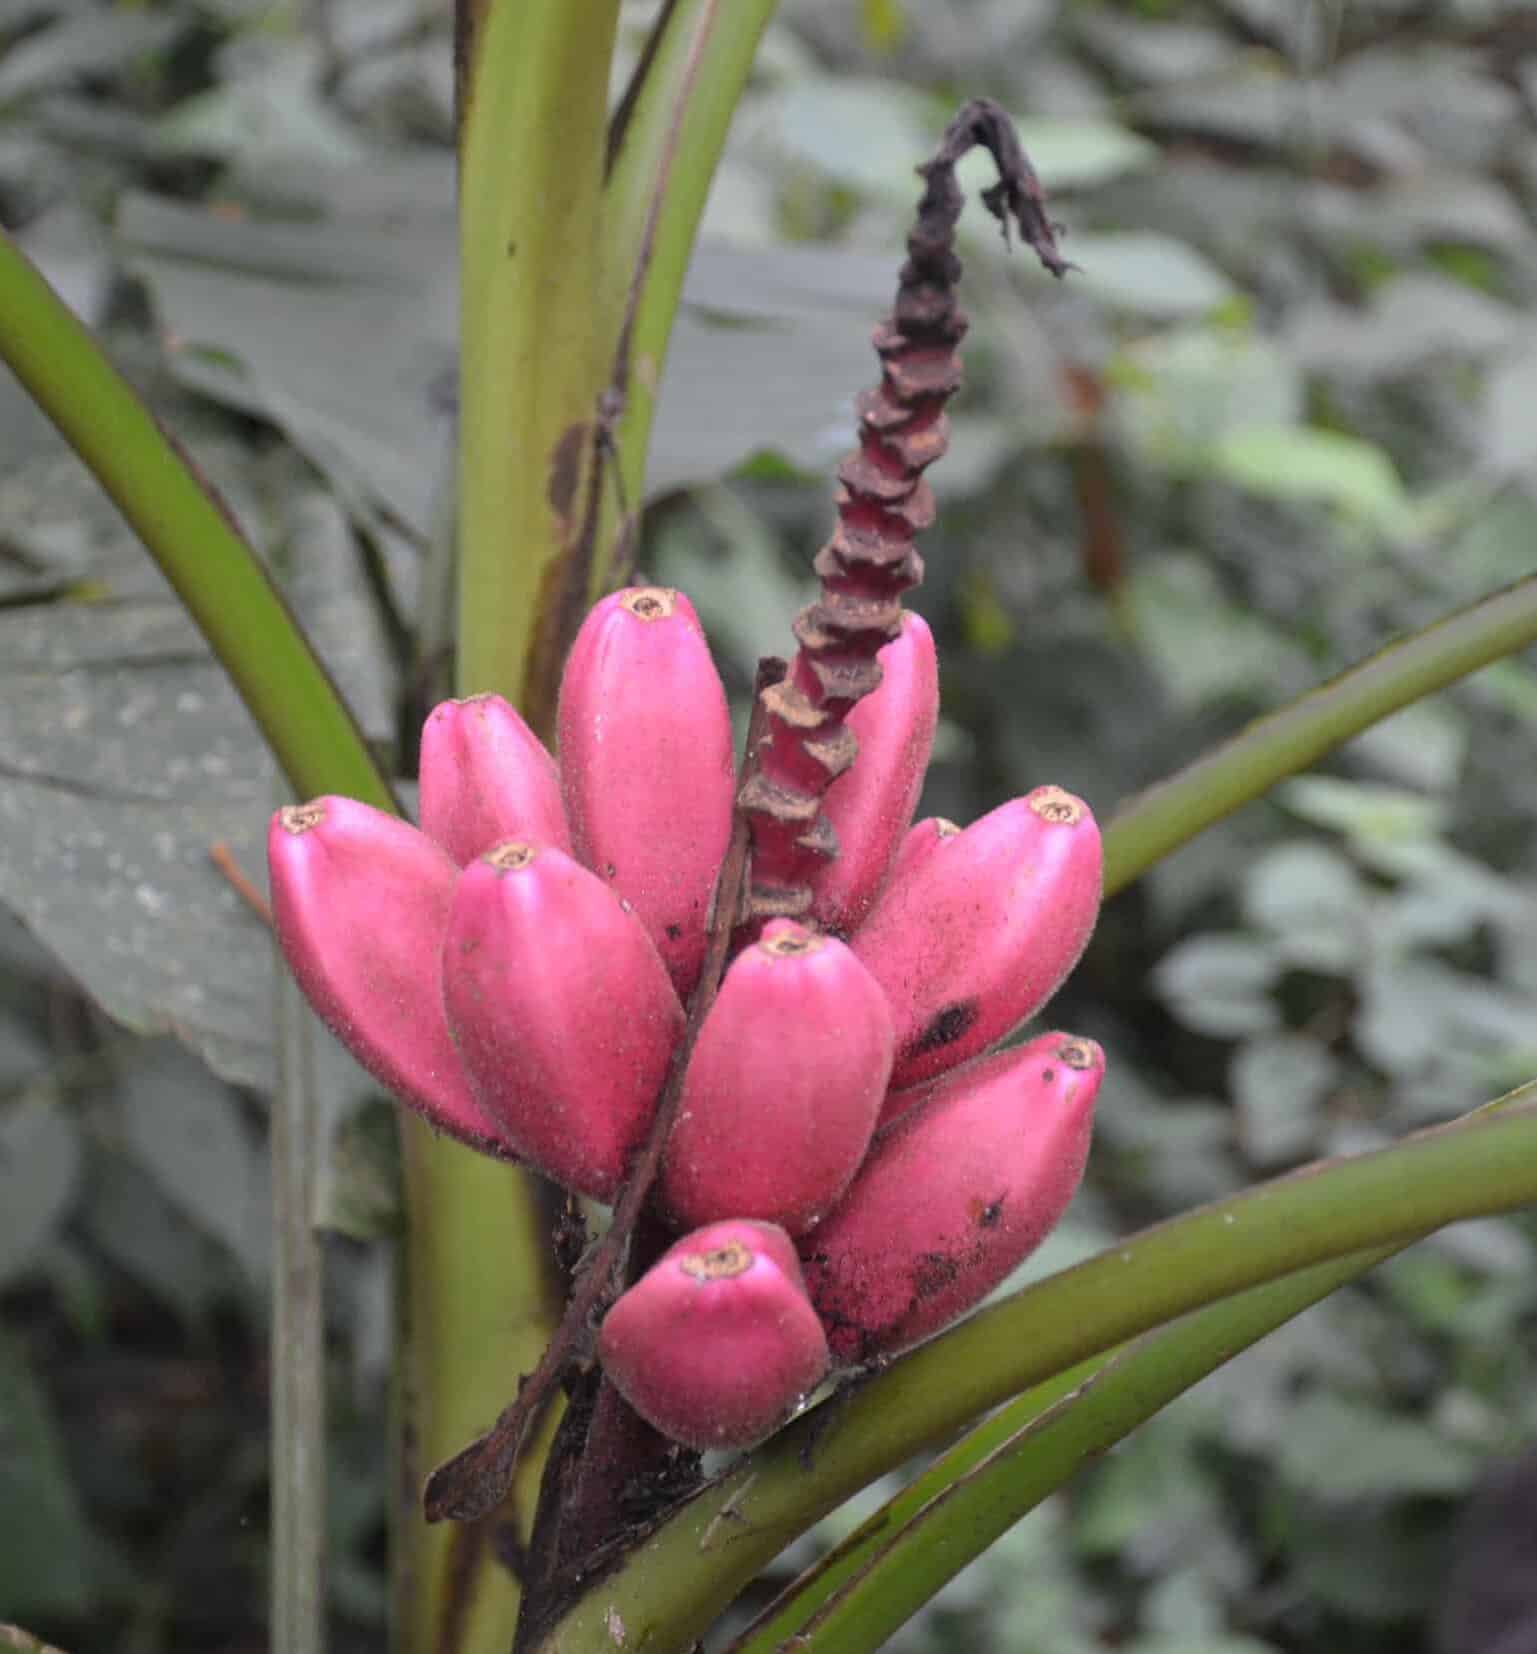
(1285,410)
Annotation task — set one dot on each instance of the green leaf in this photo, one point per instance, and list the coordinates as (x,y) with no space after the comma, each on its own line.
(45,1549)
(1279,1084)
(1183,390)
(1153,1482)
(1200,1645)
(1510,409)
(1304,463)
(1076,154)
(798,407)
(274,112)
(1220,985)
(342,334)
(189,532)
(1314,903)
(883,24)
(1385,1571)
(1147,273)
(184,1128)
(1336,1449)
(1175,597)
(1412,323)
(869,133)
(1421,747)
(863,132)
(110,868)
(131,757)
(1368,814)
(39,1171)
(96,43)
(127,1216)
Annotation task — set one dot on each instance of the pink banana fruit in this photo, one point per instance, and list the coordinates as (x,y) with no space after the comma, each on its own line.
(360,907)
(717,1342)
(871,804)
(486,778)
(954,1196)
(646,764)
(783,1087)
(561,1010)
(922,837)
(982,928)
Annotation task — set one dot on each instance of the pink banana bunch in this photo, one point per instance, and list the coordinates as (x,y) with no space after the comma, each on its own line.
(513,969)
(849,1168)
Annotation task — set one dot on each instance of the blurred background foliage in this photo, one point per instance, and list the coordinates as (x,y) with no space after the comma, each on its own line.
(1285,410)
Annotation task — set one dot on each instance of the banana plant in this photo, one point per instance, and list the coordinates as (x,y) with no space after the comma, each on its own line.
(576,218)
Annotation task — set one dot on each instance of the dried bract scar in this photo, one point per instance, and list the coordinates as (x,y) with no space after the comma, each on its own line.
(561,1010)
(646,764)
(360,905)
(783,1086)
(980,929)
(717,1343)
(871,804)
(954,1196)
(486,778)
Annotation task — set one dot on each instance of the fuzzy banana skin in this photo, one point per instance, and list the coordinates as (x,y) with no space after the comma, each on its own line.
(360,905)
(647,766)
(717,1342)
(784,1085)
(871,804)
(561,1011)
(980,931)
(922,837)
(954,1196)
(486,778)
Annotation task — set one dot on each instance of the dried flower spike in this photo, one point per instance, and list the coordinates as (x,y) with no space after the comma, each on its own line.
(883,502)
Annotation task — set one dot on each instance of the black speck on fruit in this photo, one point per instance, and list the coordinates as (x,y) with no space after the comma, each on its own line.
(932,1273)
(945,1028)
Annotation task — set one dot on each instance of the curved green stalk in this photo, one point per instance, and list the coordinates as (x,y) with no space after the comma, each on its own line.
(1033,1447)
(667,141)
(670,1589)
(191,536)
(1002,1485)
(533,359)
(481,1296)
(483,1288)
(1283,743)
(807,1600)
